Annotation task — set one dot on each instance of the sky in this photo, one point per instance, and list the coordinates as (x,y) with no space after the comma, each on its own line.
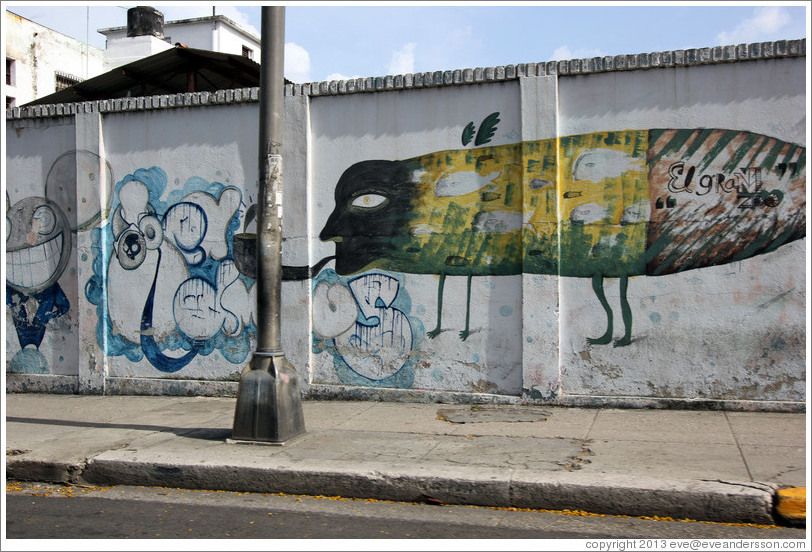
(335,40)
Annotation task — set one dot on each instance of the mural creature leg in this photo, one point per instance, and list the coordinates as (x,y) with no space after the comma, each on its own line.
(465,333)
(626,311)
(597,286)
(436,331)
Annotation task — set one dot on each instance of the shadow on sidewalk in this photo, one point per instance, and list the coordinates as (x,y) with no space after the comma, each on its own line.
(204,433)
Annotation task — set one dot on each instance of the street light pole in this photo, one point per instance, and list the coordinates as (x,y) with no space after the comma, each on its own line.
(269,404)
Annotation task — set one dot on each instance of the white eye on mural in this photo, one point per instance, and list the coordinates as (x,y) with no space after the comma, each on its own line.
(152,231)
(44,220)
(369,201)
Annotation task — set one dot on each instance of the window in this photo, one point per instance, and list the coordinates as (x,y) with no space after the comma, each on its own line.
(10,72)
(64,81)
(9,102)
(247,52)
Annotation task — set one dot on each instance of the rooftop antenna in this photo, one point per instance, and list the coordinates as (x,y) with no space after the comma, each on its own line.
(87,42)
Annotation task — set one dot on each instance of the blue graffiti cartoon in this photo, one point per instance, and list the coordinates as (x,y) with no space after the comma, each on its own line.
(171,290)
(363,323)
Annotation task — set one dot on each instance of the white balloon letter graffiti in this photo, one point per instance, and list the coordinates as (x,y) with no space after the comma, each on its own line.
(335,308)
(218,216)
(375,344)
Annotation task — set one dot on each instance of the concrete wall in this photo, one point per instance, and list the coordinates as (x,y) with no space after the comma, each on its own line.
(127,49)
(626,231)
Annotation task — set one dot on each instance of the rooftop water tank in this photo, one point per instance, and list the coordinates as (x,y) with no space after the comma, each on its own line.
(145,21)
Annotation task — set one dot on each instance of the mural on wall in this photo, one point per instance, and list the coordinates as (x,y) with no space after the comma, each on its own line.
(38,245)
(165,280)
(485,132)
(364,323)
(39,237)
(603,205)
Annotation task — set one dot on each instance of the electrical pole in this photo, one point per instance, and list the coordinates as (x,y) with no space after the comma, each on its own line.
(269,404)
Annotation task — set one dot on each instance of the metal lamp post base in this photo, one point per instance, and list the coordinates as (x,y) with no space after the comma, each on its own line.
(269,404)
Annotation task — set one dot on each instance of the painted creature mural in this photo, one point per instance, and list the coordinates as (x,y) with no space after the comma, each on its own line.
(602,205)
(40,232)
(165,280)
(38,245)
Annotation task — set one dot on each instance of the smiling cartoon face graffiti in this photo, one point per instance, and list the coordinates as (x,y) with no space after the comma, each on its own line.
(38,243)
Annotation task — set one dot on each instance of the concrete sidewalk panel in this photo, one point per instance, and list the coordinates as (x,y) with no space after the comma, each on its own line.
(123,412)
(766,428)
(506,452)
(45,442)
(664,459)
(398,418)
(673,426)
(561,422)
(321,415)
(362,446)
(728,502)
(780,465)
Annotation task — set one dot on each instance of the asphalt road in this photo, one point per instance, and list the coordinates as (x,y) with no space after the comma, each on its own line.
(55,512)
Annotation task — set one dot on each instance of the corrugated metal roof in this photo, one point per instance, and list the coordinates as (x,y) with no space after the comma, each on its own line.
(178,69)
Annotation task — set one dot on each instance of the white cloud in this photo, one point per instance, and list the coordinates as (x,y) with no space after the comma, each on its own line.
(402,60)
(765,22)
(564,53)
(297,63)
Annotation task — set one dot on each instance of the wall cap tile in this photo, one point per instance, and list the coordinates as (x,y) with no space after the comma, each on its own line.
(456,77)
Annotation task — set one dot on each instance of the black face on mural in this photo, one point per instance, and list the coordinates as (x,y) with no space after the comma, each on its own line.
(370,222)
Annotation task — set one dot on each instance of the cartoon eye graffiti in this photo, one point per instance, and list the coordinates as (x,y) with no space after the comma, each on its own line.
(369,201)
(152,232)
(44,220)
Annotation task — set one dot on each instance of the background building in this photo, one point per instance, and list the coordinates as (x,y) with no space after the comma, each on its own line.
(216,33)
(40,61)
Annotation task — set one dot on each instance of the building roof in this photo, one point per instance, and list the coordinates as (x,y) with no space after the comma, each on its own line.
(221,18)
(172,71)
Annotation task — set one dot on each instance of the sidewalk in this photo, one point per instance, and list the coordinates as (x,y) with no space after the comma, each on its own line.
(702,465)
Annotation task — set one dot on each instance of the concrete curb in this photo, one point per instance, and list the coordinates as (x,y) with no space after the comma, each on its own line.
(790,505)
(43,470)
(719,501)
